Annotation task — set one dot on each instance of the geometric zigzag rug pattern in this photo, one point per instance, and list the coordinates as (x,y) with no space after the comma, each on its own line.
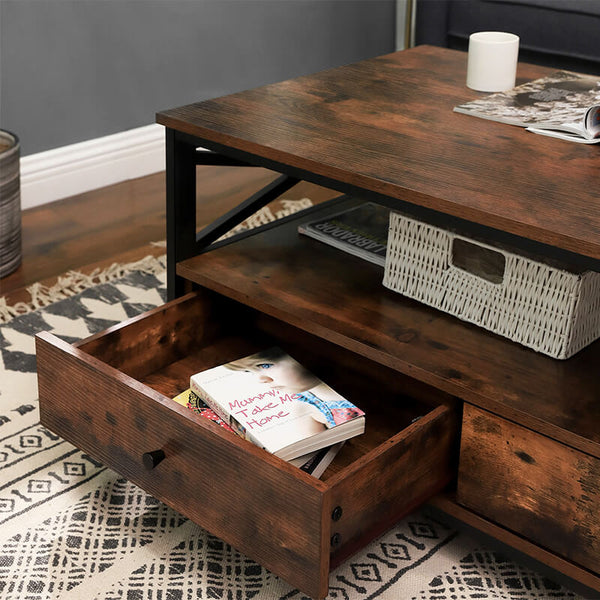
(71,529)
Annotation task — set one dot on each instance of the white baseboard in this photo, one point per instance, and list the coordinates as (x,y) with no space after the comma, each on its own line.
(77,168)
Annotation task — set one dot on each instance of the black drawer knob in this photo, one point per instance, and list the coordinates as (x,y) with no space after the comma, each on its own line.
(151,459)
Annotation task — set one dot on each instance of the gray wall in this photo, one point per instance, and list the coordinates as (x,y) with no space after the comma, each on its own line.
(73,70)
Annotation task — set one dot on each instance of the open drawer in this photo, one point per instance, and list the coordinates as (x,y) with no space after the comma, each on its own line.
(110,395)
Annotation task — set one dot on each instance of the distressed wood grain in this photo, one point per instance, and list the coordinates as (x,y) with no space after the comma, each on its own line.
(532,485)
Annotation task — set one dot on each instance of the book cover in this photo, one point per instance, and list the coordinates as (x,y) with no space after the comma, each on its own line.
(316,463)
(563,104)
(361,231)
(193,402)
(273,401)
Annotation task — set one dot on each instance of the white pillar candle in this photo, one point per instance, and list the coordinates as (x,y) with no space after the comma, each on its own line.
(492,61)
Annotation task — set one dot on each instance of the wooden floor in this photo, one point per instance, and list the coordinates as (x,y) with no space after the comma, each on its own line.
(118,223)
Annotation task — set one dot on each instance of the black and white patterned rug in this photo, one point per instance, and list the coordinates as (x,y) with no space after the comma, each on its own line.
(71,529)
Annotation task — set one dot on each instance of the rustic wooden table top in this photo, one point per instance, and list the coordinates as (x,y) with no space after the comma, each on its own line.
(386,125)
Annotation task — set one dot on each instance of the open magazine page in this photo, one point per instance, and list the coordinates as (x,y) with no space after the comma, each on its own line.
(585,132)
(560,101)
(592,121)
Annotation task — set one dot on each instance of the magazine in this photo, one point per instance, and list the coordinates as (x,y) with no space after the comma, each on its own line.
(361,231)
(564,105)
(273,401)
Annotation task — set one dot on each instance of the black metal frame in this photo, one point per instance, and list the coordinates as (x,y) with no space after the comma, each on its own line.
(183,242)
(183,155)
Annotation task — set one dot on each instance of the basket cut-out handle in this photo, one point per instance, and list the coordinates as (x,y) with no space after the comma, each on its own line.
(481,261)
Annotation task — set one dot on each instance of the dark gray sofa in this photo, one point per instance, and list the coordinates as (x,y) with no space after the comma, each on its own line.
(558,33)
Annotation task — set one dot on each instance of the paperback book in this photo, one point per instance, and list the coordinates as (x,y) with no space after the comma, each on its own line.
(564,105)
(193,402)
(314,463)
(272,400)
(361,231)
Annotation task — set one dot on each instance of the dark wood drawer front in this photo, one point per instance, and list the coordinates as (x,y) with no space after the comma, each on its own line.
(531,484)
(258,508)
(111,396)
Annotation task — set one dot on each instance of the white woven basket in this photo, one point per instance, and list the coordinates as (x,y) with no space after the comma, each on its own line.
(551,310)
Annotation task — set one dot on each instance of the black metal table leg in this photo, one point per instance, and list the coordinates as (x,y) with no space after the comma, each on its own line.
(181,206)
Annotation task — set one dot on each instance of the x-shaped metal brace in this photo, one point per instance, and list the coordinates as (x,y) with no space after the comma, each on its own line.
(183,241)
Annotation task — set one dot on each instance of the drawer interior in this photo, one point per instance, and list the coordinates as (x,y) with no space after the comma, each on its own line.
(163,348)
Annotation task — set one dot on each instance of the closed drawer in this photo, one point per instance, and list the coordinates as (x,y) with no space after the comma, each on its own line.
(110,395)
(529,483)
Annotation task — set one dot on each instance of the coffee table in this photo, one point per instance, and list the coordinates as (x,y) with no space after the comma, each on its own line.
(456,415)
